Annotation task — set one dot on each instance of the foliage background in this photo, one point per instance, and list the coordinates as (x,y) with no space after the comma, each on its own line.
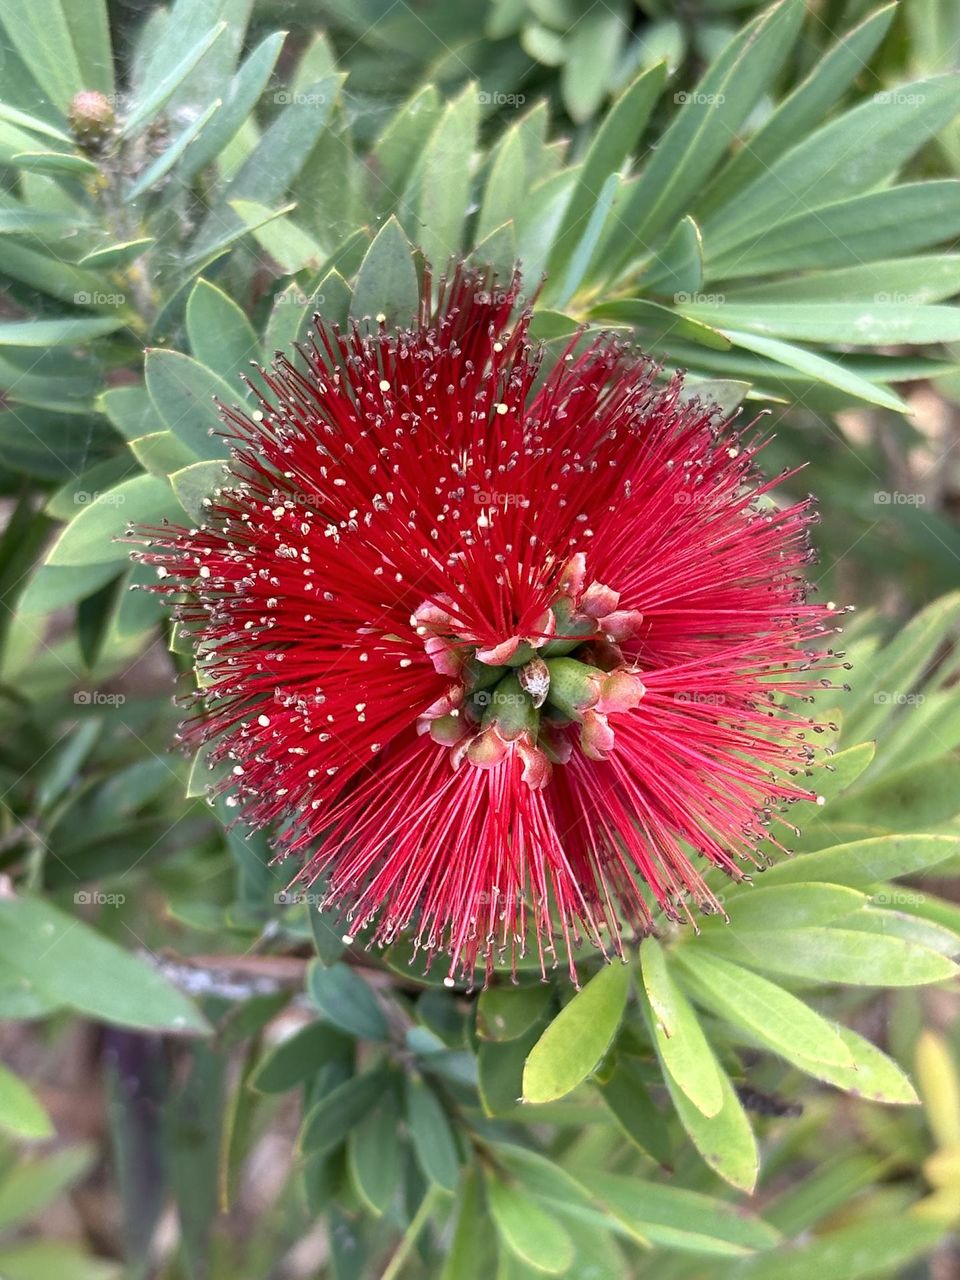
(201,1079)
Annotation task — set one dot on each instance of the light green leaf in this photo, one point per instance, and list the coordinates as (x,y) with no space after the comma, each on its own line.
(592,48)
(91,536)
(527,1230)
(184,392)
(161,453)
(835,955)
(788,906)
(221,336)
(613,141)
(676,269)
(771,1015)
(69,332)
(861,324)
(32,1186)
(40,33)
(893,221)
(874,1247)
(676,1218)
(661,322)
(507,1012)
(629,1102)
(71,962)
(863,863)
(143,111)
(725,1141)
(387,280)
(21,1112)
(194,484)
(882,132)
(576,1040)
(117,255)
(818,367)
(680,1042)
(505,186)
(445,180)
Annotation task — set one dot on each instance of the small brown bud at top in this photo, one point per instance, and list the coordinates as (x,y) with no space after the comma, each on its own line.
(91,117)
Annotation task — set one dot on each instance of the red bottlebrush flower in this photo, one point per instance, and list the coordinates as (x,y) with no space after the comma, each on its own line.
(497,654)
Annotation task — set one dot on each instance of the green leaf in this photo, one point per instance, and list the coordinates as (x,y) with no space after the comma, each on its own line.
(117,255)
(725,1141)
(387,281)
(183,392)
(54,162)
(507,1012)
(345,1000)
(918,280)
(90,537)
(70,332)
(90,32)
(625,1094)
(875,324)
(576,1040)
(240,98)
(505,186)
(788,906)
(863,863)
(221,336)
(298,1058)
(894,221)
(467,1256)
(161,453)
(707,121)
(662,323)
(32,1186)
(818,367)
(771,1015)
(619,133)
(883,132)
(431,1135)
(527,1230)
(40,1259)
(375,1156)
(445,179)
(874,1247)
(678,1036)
(500,1072)
(143,111)
(327,1124)
(40,33)
(194,484)
(67,960)
(679,1219)
(592,48)
(17,117)
(827,955)
(401,145)
(677,267)
(802,109)
(167,159)
(872,1074)
(21,1112)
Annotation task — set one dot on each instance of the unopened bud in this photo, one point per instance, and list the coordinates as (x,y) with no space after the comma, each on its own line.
(91,117)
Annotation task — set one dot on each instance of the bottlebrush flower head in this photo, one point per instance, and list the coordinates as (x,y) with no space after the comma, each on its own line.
(503,655)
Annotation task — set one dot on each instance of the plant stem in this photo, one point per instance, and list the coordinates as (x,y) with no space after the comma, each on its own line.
(419,1221)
